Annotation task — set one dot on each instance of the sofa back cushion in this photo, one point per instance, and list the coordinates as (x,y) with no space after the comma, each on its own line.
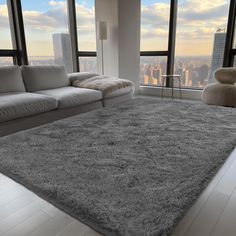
(44,77)
(11,79)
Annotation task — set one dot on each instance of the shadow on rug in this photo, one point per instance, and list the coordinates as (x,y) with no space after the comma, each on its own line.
(133,169)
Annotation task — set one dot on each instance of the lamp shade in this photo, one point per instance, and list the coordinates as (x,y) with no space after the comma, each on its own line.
(102,30)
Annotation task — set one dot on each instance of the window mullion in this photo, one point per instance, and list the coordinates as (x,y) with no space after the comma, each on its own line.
(17,31)
(228,55)
(171,40)
(73,34)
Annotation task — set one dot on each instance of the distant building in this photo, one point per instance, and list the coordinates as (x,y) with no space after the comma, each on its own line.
(62,50)
(156,73)
(218,53)
(186,79)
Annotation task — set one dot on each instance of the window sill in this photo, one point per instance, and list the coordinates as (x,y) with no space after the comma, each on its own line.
(187,93)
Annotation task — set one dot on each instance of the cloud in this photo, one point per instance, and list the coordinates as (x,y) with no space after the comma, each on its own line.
(40,25)
(85,19)
(39,21)
(56,4)
(4,22)
(146,33)
(197,21)
(207,11)
(56,18)
(156,15)
(206,14)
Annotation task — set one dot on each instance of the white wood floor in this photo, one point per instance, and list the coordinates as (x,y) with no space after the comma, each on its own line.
(213,214)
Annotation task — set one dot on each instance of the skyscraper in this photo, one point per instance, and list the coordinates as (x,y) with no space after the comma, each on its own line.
(62,51)
(218,53)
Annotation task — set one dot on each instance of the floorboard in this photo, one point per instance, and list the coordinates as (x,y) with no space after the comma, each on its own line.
(203,217)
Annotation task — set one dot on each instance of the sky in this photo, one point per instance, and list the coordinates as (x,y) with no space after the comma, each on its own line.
(42,5)
(197,22)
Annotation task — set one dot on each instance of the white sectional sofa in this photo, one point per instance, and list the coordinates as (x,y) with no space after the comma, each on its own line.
(35,95)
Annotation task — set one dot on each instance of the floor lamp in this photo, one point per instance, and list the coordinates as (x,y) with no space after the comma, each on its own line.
(102,35)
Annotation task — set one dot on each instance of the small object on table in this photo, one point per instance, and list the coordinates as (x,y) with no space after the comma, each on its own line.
(172,83)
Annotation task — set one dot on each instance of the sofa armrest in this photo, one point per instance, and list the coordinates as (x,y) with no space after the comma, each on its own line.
(80,76)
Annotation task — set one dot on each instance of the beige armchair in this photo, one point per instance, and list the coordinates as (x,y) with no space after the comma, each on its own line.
(222,93)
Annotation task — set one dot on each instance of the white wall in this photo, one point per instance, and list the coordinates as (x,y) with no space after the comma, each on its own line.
(129,40)
(122,48)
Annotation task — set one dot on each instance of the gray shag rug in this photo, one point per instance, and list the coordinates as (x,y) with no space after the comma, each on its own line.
(133,169)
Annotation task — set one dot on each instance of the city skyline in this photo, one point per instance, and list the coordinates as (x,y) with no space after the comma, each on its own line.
(195,71)
(196,38)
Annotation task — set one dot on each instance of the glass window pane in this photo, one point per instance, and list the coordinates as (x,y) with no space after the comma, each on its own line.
(151,69)
(154,25)
(47,34)
(88,64)
(234,39)
(86,28)
(6,61)
(234,61)
(200,41)
(5,39)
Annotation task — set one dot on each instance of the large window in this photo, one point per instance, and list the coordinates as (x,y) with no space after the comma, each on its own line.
(204,40)
(86,31)
(231,40)
(5,39)
(47,34)
(196,42)
(200,40)
(6,46)
(154,41)
(151,69)
(154,25)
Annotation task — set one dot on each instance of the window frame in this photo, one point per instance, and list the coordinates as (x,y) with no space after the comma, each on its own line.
(76,53)
(19,51)
(170,52)
(229,52)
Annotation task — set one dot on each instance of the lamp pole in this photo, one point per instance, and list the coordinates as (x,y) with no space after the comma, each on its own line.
(102,57)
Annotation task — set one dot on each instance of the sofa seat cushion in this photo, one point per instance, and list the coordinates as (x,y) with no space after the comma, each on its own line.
(21,104)
(71,96)
(44,77)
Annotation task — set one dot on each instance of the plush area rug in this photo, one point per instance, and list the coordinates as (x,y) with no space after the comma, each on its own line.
(133,169)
